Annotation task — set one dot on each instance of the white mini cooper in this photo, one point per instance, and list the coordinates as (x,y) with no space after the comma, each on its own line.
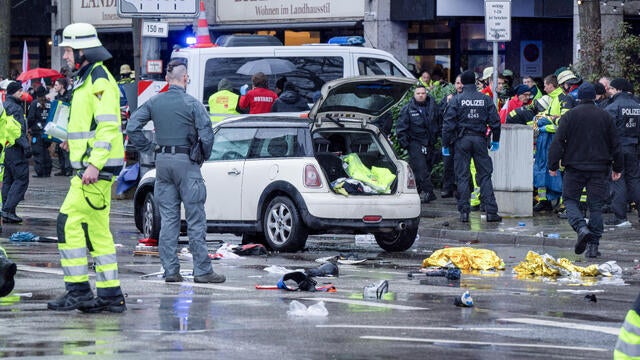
(276,178)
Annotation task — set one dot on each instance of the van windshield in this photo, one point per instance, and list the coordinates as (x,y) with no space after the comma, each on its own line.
(309,75)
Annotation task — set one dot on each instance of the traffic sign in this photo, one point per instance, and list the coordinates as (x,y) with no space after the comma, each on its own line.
(158,8)
(155,29)
(154,66)
(497,19)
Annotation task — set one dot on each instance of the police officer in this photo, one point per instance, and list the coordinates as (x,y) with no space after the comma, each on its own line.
(417,131)
(465,129)
(37,119)
(16,174)
(178,116)
(626,112)
(96,149)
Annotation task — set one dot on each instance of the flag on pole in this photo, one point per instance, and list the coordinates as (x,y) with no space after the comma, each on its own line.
(25,65)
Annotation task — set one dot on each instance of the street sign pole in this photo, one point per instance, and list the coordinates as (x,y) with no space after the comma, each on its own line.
(497,19)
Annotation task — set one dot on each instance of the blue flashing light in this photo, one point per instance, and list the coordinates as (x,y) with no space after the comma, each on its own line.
(190,40)
(347,40)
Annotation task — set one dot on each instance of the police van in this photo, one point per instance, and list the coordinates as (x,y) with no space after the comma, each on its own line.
(307,66)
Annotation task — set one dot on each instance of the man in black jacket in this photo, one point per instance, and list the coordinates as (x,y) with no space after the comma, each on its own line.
(467,120)
(16,172)
(417,131)
(588,145)
(36,120)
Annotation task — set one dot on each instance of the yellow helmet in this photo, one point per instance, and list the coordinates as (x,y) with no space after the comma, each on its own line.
(80,36)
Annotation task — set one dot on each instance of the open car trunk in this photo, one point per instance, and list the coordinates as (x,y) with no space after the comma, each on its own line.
(354,162)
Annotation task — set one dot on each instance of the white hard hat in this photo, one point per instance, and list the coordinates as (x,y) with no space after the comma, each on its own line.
(487,73)
(565,76)
(80,36)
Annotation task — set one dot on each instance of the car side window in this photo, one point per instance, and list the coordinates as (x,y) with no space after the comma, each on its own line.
(276,143)
(232,143)
(373,66)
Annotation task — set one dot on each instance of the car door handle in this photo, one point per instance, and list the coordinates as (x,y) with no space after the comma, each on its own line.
(234,171)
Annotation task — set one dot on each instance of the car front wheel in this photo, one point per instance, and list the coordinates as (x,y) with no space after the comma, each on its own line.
(150,218)
(283,228)
(397,240)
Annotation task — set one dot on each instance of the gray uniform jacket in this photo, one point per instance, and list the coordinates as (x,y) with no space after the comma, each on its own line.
(175,115)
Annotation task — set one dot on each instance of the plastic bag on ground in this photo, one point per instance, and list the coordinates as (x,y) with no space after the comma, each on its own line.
(297,308)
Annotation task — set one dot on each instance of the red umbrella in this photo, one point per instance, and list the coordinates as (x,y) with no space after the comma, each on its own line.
(39,73)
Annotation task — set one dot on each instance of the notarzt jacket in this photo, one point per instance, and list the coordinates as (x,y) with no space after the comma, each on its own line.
(94,133)
(470,112)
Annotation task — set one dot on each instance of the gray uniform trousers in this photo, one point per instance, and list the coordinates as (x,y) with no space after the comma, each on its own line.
(178,179)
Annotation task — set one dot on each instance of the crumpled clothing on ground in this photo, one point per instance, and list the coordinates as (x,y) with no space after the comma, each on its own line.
(547,265)
(465,258)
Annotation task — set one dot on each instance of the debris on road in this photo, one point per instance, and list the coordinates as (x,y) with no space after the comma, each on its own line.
(297,308)
(465,258)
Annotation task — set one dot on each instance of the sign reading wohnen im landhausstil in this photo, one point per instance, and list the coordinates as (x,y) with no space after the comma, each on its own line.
(286,10)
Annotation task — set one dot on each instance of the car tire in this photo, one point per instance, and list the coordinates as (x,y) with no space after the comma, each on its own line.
(283,229)
(150,217)
(397,240)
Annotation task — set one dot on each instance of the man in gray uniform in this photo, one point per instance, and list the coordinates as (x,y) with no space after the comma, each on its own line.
(177,116)
(466,123)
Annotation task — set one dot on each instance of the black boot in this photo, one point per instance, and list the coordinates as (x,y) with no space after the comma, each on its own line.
(584,237)
(464,217)
(7,271)
(592,251)
(493,218)
(71,300)
(543,205)
(113,304)
(10,217)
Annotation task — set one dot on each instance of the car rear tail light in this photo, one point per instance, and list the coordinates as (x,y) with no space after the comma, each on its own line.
(411,180)
(311,176)
(372,218)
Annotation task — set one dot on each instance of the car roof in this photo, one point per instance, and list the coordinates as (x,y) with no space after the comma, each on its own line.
(266,120)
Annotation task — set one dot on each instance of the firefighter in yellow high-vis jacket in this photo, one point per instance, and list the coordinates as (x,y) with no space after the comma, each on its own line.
(96,151)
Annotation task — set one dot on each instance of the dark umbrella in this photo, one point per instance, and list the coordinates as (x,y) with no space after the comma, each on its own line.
(267,66)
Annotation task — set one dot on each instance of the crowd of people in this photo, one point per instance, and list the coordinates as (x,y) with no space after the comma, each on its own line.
(586,144)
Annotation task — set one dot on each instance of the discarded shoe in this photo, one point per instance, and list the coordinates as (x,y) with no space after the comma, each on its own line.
(464,217)
(173,278)
(210,278)
(326,269)
(584,237)
(297,280)
(71,300)
(543,205)
(114,304)
(493,217)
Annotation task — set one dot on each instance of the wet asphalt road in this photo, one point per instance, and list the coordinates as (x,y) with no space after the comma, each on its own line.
(512,318)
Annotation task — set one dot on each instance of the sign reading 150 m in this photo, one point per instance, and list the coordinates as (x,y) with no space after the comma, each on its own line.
(158,8)
(497,19)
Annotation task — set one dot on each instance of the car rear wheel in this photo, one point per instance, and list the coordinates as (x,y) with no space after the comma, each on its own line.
(150,217)
(397,240)
(283,228)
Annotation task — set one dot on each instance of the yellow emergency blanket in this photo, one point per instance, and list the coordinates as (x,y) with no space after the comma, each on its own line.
(465,258)
(546,265)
